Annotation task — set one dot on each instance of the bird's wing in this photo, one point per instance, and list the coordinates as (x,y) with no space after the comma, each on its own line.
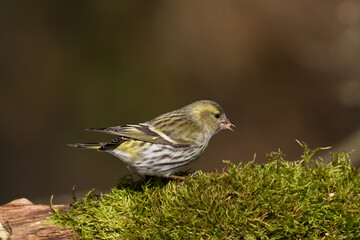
(177,127)
(144,132)
(174,128)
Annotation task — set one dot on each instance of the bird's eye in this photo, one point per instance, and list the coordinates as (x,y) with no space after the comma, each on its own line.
(217,115)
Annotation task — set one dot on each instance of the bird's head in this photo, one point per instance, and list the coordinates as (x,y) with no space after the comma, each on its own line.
(210,116)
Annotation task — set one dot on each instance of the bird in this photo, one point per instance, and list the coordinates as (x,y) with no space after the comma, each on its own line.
(164,145)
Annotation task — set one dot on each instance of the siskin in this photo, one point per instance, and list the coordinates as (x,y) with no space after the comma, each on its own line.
(160,147)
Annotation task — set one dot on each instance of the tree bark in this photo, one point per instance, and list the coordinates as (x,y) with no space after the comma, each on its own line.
(21,219)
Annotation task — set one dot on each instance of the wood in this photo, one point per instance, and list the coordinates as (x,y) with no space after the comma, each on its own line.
(21,219)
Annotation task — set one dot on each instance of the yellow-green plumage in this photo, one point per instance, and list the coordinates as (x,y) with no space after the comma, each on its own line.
(170,141)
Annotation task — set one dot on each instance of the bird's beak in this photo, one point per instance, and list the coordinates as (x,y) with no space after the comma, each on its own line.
(226,124)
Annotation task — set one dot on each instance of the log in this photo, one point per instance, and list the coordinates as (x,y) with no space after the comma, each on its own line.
(21,219)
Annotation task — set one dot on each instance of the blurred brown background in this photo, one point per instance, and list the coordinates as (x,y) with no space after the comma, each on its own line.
(282,70)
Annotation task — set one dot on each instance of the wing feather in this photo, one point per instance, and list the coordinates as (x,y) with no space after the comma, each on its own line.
(174,128)
(141,131)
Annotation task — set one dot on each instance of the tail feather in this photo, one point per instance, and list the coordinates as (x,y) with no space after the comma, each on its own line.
(87,145)
(113,144)
(95,129)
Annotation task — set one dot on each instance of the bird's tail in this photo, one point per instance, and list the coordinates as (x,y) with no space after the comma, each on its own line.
(95,146)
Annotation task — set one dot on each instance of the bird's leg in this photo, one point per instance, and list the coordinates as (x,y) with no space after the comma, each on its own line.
(176,177)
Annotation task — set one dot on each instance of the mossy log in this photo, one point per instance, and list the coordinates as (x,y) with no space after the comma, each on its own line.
(21,219)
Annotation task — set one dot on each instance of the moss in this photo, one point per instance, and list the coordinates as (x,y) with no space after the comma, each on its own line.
(306,199)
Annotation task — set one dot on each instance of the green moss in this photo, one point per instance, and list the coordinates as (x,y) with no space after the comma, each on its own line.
(306,199)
